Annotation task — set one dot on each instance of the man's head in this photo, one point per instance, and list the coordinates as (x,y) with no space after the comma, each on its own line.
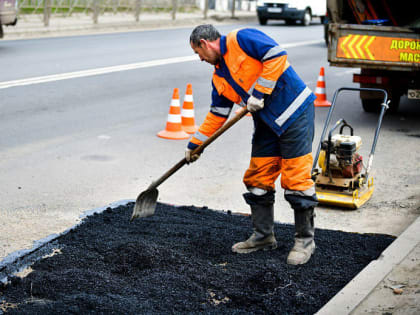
(205,41)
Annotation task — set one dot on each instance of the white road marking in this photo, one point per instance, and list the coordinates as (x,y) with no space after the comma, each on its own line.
(131,66)
(97,71)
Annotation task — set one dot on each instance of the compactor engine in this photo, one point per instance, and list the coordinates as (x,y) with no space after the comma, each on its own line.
(344,160)
(341,164)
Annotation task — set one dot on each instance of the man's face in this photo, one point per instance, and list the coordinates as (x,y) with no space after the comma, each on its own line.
(206,52)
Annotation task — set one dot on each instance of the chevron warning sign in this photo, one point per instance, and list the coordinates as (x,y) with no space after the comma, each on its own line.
(355,46)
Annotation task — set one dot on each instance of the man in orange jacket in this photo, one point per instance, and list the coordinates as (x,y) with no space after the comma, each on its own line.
(252,70)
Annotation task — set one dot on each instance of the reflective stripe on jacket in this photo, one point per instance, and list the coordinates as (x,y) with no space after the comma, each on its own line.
(253,64)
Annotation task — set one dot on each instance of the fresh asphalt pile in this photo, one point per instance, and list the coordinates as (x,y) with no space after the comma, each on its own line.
(179,261)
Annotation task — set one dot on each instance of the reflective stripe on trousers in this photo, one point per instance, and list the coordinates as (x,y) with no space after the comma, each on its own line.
(289,155)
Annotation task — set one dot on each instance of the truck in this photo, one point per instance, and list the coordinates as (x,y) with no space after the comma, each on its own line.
(291,11)
(382,39)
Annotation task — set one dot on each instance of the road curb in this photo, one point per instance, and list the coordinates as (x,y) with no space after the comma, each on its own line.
(360,287)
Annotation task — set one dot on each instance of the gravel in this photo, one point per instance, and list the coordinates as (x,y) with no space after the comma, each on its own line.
(179,261)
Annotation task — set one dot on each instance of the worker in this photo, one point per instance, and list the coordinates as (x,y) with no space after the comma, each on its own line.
(252,70)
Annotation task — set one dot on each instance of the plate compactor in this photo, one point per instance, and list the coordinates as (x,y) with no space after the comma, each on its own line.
(340,180)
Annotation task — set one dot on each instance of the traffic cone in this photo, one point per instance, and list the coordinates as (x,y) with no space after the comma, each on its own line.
(320,91)
(187,112)
(173,128)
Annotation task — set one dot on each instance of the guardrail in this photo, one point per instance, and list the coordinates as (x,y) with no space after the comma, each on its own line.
(64,8)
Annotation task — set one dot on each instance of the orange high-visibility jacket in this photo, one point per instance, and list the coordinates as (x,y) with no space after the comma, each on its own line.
(253,64)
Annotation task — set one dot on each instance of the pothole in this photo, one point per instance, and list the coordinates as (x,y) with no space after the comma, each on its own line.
(180,261)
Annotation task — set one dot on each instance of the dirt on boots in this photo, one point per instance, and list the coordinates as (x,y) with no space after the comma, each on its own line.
(304,237)
(262,215)
(301,252)
(255,242)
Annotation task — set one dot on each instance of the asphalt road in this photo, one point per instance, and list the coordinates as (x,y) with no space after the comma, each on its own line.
(83,140)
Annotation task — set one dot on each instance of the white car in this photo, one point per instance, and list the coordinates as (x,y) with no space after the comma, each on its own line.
(291,11)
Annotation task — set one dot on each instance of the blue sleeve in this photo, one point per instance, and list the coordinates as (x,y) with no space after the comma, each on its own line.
(220,106)
(256,44)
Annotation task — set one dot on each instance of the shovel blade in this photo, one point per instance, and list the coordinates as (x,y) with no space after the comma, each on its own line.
(145,204)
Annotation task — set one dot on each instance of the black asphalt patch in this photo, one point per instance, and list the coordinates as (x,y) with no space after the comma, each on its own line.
(180,261)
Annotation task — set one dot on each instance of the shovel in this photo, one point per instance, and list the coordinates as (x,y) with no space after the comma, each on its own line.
(146,202)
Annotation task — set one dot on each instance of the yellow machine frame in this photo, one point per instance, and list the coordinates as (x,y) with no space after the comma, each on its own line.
(353,200)
(344,196)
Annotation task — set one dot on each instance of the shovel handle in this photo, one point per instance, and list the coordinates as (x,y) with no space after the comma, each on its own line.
(241,113)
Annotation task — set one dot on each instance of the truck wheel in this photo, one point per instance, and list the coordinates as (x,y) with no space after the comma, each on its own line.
(371,105)
(1,31)
(307,18)
(395,103)
(263,21)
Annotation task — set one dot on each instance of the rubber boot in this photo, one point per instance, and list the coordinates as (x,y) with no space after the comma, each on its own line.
(304,237)
(262,215)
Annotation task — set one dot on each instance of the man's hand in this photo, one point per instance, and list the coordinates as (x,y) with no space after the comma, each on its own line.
(254,104)
(191,158)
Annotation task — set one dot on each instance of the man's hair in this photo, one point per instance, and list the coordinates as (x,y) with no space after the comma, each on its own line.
(205,31)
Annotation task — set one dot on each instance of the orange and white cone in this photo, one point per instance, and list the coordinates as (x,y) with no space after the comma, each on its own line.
(173,128)
(320,91)
(187,112)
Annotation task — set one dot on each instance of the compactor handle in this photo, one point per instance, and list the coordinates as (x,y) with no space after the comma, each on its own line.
(378,127)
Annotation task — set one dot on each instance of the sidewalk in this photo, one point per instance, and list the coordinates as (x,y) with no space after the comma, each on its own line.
(32,26)
(389,285)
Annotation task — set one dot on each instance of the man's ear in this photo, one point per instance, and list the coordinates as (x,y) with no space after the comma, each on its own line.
(203,43)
